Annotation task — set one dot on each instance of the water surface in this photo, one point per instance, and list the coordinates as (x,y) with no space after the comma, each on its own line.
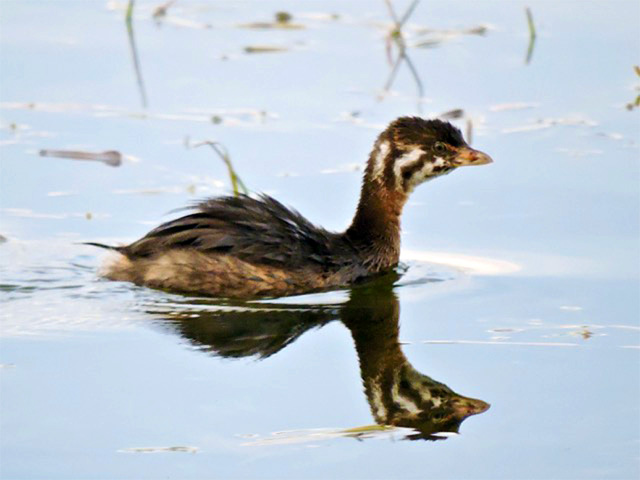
(522,281)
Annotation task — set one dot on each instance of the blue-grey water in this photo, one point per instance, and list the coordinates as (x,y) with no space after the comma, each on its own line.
(522,284)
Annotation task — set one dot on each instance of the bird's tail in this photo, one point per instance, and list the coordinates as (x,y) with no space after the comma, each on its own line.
(101,245)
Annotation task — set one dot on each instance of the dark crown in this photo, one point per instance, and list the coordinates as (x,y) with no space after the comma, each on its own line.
(418,131)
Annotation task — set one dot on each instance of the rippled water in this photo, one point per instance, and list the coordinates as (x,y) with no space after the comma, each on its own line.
(519,288)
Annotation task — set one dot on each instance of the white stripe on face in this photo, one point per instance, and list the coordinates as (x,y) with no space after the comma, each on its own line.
(426,173)
(379,159)
(407,159)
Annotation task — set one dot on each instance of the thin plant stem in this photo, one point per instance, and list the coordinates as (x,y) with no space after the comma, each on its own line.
(396,37)
(237,184)
(532,35)
(134,53)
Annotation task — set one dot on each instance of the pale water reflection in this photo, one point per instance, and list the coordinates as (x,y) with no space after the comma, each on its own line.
(534,309)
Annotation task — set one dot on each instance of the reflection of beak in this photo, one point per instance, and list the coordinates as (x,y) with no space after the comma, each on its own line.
(469,156)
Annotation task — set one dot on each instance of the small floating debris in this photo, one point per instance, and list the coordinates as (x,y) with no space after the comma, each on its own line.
(452,114)
(183,22)
(344,168)
(161,10)
(325,434)
(282,21)
(503,107)
(27,213)
(471,265)
(435,37)
(579,152)
(61,194)
(611,136)
(552,122)
(494,342)
(264,49)
(112,158)
(179,449)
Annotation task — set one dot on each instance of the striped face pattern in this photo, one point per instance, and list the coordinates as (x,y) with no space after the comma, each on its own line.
(403,396)
(413,150)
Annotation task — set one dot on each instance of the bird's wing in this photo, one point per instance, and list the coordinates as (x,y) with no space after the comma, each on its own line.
(257,230)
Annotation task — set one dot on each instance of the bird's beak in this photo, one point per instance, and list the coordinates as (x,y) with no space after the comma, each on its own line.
(468,156)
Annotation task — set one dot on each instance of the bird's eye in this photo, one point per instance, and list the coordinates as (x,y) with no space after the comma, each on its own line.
(439,147)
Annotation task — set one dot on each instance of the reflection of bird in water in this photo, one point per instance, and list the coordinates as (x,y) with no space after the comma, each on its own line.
(241,247)
(397,394)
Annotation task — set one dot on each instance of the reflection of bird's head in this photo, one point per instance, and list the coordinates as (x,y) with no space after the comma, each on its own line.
(428,406)
(397,393)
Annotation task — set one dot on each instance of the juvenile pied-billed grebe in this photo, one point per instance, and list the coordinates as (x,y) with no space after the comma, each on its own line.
(243,247)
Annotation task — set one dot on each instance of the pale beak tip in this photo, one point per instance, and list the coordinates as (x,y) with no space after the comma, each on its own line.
(470,157)
(483,159)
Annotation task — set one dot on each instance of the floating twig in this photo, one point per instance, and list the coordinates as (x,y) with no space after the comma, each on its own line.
(112,158)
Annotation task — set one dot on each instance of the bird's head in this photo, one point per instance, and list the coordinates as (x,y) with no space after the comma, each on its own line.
(412,150)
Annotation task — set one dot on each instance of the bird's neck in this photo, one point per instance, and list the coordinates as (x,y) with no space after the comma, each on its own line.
(375,229)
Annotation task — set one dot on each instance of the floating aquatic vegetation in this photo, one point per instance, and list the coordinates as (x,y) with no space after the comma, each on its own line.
(179,449)
(571,308)
(636,102)
(344,168)
(471,265)
(435,37)
(396,37)
(319,16)
(356,119)
(265,49)
(134,53)
(160,11)
(185,23)
(611,136)
(226,117)
(579,152)
(575,120)
(28,213)
(61,194)
(282,21)
(452,114)
(236,182)
(532,35)
(499,342)
(21,133)
(314,435)
(502,107)
(112,158)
